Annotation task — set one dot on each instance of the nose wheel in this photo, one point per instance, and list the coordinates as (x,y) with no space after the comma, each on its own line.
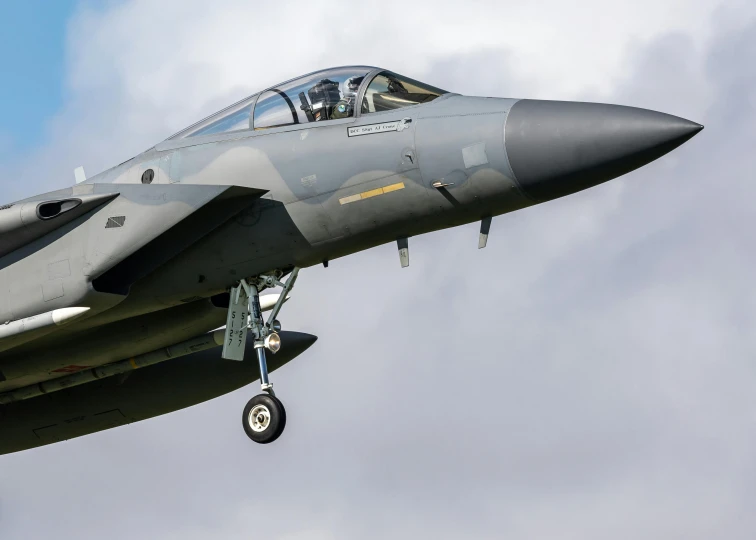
(264,418)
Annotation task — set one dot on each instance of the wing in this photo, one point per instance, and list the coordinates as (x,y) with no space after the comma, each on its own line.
(85,246)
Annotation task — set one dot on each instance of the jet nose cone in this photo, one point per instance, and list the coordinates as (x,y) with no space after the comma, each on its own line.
(559,147)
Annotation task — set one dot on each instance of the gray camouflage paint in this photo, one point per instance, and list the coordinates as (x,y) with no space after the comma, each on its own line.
(227,206)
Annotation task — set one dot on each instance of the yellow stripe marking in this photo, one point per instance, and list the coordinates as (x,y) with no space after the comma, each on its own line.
(371,193)
(393,187)
(133,363)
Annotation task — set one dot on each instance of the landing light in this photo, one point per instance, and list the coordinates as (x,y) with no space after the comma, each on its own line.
(273,343)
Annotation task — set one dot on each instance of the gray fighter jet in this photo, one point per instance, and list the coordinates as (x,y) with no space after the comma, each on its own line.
(110,290)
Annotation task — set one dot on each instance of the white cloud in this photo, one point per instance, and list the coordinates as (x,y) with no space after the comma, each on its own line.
(587,375)
(138,72)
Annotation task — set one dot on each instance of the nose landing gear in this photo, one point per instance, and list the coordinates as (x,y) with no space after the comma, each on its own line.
(264,417)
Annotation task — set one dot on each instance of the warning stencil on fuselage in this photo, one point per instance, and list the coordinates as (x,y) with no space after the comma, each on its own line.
(385,127)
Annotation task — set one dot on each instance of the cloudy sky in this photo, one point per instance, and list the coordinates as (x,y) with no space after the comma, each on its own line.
(589,375)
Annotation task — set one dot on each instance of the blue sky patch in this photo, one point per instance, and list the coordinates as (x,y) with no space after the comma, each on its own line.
(32,54)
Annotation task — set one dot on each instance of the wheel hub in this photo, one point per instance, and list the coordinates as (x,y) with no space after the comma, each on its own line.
(259,418)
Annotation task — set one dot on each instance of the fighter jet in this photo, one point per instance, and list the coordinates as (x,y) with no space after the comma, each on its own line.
(112,290)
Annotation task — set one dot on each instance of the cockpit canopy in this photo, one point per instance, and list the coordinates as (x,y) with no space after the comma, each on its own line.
(326,95)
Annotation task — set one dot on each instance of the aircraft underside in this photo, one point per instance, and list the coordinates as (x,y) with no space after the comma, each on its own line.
(133,396)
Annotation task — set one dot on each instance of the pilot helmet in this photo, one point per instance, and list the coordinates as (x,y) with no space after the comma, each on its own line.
(351,85)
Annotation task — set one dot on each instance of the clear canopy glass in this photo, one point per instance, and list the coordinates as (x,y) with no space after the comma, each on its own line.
(234,121)
(325,95)
(330,94)
(237,117)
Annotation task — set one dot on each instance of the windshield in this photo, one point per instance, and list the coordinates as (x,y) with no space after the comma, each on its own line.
(389,91)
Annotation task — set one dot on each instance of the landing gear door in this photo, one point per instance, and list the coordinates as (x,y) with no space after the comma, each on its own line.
(236,325)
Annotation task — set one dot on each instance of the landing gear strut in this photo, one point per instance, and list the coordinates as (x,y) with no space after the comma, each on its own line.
(264,417)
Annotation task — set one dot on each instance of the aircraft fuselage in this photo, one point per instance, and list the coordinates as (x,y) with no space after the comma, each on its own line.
(147,248)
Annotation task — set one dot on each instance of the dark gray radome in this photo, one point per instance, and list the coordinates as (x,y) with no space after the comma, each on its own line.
(560,147)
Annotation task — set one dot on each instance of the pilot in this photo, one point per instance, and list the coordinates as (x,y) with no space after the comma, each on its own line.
(345,107)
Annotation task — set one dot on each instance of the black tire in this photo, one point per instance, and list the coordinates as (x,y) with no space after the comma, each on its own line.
(271,418)
(282,421)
